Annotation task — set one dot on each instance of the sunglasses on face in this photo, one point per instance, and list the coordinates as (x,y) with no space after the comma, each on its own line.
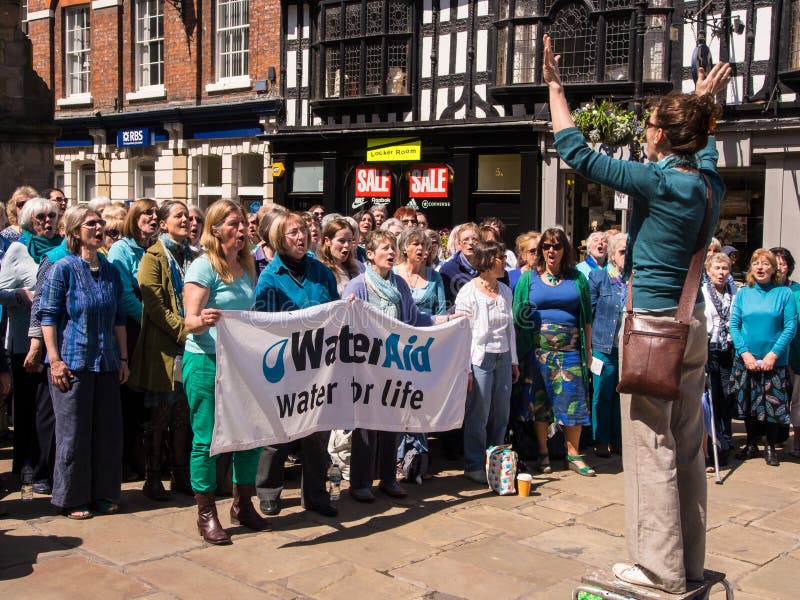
(648,123)
(318,214)
(557,246)
(94,223)
(113,233)
(43,216)
(149,212)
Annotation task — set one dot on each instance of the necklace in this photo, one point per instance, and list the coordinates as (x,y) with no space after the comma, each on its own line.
(552,279)
(488,286)
(411,275)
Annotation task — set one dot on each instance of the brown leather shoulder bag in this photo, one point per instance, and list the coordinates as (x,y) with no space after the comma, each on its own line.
(652,348)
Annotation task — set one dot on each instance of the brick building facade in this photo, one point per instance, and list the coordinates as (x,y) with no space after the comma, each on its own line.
(160,98)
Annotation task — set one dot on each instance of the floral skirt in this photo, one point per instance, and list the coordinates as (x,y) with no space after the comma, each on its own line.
(552,374)
(762,396)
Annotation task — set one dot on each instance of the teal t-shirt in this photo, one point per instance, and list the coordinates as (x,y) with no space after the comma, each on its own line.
(237,295)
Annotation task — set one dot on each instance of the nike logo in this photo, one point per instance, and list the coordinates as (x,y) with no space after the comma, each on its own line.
(359,202)
(274,373)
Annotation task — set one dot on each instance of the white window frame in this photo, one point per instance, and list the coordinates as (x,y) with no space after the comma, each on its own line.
(250,190)
(139,187)
(86,192)
(149,43)
(77,52)
(233,39)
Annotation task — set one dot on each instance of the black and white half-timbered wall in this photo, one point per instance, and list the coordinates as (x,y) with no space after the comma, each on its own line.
(439,104)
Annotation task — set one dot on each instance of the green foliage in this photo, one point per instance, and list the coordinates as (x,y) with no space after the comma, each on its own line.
(605,122)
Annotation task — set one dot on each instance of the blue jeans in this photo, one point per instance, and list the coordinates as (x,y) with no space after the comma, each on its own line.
(486,412)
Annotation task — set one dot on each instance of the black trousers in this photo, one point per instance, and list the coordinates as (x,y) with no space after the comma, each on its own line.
(313,489)
(26,445)
(45,431)
(370,446)
(723,400)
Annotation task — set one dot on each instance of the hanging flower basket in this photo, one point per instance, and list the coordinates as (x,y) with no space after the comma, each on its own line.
(607,124)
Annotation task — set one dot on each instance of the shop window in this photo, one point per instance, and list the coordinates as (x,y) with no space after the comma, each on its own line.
(77,49)
(251,175)
(145,180)
(209,181)
(86,183)
(233,38)
(365,47)
(499,172)
(149,43)
(307,177)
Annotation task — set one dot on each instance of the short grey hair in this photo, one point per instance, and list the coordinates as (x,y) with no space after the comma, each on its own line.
(33,207)
(615,240)
(391,222)
(593,236)
(412,234)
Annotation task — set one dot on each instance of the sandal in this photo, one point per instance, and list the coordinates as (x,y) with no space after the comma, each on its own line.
(586,470)
(80,513)
(543,463)
(105,507)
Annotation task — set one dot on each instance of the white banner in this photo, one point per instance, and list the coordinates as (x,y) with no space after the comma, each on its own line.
(341,365)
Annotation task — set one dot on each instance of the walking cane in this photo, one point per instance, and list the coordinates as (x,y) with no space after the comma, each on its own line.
(717,478)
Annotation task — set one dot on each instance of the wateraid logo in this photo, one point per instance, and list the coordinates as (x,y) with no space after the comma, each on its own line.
(274,372)
(311,349)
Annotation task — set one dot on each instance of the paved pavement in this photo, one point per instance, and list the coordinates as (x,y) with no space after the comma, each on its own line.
(449,539)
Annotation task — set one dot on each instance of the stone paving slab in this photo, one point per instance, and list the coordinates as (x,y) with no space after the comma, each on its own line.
(450,577)
(69,577)
(591,546)
(748,543)
(776,580)
(345,581)
(489,517)
(185,579)
(122,539)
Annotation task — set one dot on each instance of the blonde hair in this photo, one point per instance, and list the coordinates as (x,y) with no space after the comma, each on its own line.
(73,219)
(522,240)
(23,192)
(717,257)
(278,228)
(757,255)
(215,217)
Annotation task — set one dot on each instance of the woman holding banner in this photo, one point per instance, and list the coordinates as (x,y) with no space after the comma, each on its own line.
(494,357)
(292,281)
(220,279)
(380,287)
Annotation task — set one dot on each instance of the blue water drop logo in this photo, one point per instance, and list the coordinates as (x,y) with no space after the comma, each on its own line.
(275,372)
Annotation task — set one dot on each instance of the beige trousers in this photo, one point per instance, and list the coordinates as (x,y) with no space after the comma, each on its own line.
(665,482)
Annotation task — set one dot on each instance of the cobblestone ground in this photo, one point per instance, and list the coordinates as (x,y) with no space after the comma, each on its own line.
(449,539)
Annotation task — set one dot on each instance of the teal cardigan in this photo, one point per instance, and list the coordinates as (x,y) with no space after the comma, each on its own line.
(526,335)
(667,208)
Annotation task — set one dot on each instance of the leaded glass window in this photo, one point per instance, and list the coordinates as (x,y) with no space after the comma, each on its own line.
(365,47)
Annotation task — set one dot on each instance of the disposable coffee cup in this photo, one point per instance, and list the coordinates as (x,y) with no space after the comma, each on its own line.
(524,484)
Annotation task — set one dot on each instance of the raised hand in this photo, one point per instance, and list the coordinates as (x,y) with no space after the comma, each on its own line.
(714,81)
(550,71)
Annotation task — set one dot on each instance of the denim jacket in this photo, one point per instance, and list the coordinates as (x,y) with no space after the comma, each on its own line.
(608,304)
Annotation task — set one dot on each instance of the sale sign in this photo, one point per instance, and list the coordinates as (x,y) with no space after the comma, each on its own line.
(373,182)
(429,181)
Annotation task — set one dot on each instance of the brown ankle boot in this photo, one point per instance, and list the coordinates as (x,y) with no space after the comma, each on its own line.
(207,521)
(242,510)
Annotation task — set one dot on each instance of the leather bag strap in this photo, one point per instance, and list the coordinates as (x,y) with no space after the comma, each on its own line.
(692,283)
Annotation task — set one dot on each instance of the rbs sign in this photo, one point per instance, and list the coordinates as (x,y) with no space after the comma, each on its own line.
(133,137)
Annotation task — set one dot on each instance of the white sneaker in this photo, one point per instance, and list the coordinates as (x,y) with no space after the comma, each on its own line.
(476,476)
(634,575)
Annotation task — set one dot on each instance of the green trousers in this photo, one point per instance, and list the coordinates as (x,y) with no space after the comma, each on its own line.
(199,371)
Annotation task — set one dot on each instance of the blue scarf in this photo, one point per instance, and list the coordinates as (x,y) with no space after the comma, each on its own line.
(177,269)
(593,263)
(38,245)
(467,265)
(383,293)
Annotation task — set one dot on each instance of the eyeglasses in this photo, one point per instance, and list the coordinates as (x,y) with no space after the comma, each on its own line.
(649,123)
(557,246)
(467,240)
(150,212)
(410,221)
(296,233)
(60,199)
(318,214)
(113,233)
(94,223)
(43,216)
